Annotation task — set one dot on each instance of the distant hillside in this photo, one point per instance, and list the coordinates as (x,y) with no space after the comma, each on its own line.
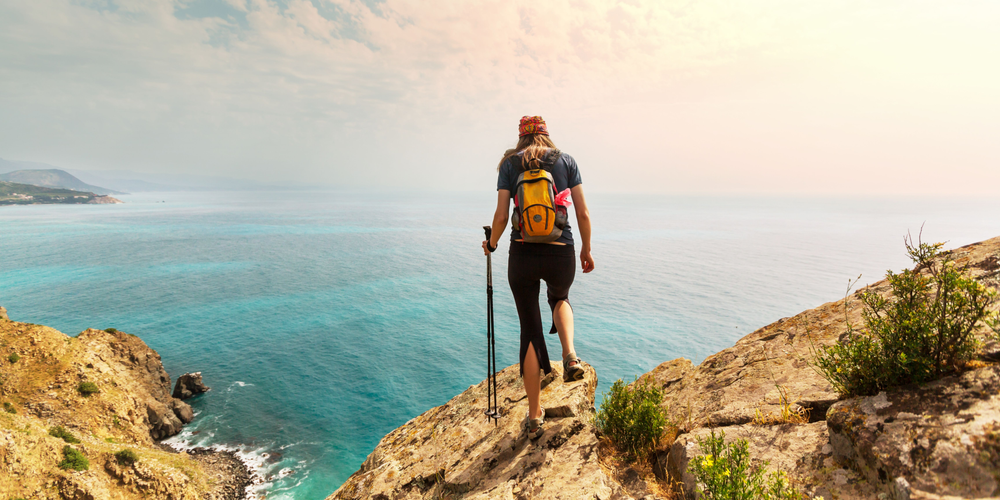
(12,193)
(52,178)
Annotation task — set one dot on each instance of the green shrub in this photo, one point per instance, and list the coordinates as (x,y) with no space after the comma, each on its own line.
(73,459)
(924,330)
(63,434)
(111,330)
(13,357)
(723,472)
(632,418)
(87,388)
(126,457)
(9,408)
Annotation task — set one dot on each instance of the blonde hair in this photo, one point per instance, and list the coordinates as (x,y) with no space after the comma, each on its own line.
(534,146)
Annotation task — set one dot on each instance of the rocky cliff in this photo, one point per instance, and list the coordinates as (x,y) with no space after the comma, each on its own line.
(939,441)
(109,390)
(936,441)
(454,451)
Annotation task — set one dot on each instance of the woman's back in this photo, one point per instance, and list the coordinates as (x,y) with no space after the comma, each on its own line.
(565,174)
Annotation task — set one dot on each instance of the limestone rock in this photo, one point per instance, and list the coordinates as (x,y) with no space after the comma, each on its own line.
(182,410)
(455,451)
(163,423)
(941,440)
(3,314)
(82,487)
(142,362)
(188,385)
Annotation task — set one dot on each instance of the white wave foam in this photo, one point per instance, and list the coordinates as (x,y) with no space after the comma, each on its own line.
(257,460)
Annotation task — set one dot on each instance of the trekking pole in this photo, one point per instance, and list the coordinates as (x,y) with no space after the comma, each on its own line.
(491,363)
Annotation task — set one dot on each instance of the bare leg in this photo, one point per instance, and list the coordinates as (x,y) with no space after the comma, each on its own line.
(562,317)
(532,381)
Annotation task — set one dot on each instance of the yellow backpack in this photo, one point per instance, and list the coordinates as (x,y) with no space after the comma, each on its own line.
(536,215)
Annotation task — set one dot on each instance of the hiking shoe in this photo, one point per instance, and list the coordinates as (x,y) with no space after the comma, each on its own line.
(533,426)
(574,371)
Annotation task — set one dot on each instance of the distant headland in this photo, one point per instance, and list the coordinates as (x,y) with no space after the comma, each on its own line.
(14,193)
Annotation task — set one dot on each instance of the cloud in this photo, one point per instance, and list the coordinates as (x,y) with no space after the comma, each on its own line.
(312,89)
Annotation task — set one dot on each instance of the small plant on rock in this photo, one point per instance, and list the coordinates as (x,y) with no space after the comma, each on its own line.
(632,417)
(9,408)
(724,472)
(13,358)
(73,459)
(126,457)
(111,330)
(789,412)
(87,388)
(924,330)
(61,433)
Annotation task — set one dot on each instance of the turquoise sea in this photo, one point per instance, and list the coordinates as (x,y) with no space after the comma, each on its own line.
(323,320)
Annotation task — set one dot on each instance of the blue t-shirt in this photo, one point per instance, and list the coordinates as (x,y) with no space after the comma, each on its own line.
(564,172)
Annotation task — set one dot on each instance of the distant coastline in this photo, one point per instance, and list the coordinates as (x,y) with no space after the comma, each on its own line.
(13,193)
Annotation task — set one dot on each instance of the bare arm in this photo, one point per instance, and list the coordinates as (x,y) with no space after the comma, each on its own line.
(583,223)
(500,218)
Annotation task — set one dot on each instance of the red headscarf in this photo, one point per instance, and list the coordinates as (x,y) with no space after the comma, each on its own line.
(532,125)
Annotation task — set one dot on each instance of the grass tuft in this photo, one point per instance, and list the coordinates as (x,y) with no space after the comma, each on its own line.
(61,433)
(73,459)
(789,413)
(126,457)
(87,388)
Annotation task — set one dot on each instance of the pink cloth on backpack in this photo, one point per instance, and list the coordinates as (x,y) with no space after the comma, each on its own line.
(563,198)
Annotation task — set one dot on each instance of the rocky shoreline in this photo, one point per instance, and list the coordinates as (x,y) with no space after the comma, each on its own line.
(108,391)
(234,475)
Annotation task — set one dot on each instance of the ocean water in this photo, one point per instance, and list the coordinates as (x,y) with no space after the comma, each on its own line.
(323,320)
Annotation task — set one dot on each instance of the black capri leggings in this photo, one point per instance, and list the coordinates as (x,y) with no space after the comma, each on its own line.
(527,265)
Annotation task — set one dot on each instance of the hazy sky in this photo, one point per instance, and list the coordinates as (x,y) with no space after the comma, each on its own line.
(761,96)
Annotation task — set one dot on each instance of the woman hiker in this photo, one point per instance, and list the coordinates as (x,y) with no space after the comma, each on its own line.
(530,263)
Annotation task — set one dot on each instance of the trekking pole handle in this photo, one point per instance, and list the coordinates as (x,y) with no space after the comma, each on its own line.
(489,233)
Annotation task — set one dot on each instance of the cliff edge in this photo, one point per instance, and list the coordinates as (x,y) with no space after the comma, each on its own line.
(940,441)
(454,451)
(108,391)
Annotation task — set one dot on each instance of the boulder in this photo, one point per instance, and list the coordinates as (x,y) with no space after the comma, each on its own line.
(941,440)
(454,451)
(188,385)
(163,423)
(182,410)
(3,314)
